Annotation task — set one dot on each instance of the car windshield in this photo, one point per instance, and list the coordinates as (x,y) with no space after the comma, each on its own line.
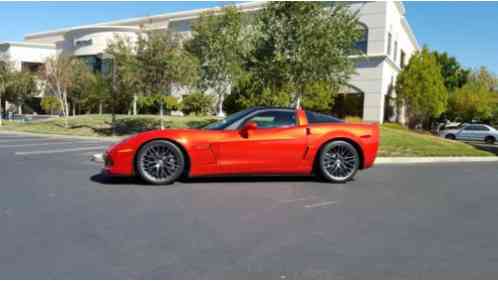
(222,124)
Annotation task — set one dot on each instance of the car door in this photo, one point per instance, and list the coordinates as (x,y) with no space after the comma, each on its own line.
(481,133)
(277,144)
(467,133)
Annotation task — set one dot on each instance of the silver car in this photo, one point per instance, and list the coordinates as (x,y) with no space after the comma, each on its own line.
(476,132)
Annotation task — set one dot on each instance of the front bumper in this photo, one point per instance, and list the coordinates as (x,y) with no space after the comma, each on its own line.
(118,161)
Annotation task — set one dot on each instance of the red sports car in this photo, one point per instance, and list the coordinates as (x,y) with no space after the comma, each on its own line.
(259,140)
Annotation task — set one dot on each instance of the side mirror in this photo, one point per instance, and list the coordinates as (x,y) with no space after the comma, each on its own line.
(247,127)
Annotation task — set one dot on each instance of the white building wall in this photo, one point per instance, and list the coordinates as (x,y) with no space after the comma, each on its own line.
(94,41)
(19,54)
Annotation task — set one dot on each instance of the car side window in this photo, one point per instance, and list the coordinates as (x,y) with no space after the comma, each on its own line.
(482,128)
(274,119)
(314,117)
(469,128)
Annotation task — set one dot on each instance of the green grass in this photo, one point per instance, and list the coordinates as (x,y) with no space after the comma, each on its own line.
(396,141)
(100,125)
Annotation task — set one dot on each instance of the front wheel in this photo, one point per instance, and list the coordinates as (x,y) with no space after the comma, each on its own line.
(339,161)
(450,136)
(160,162)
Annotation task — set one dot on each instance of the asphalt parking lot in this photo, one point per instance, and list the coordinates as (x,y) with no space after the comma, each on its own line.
(61,219)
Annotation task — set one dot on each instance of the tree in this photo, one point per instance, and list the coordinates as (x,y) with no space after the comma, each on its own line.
(197,103)
(484,77)
(454,75)
(150,104)
(98,94)
(5,74)
(83,80)
(299,43)
(476,99)
(420,87)
(128,80)
(319,96)
(164,64)
(22,87)
(218,42)
(250,92)
(50,105)
(59,76)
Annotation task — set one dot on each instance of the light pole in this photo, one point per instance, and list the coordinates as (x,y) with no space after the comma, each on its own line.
(110,69)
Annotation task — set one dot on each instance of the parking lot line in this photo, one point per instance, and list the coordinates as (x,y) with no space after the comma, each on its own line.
(44,144)
(94,148)
(321,204)
(22,140)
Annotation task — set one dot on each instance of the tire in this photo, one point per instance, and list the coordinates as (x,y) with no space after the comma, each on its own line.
(160,162)
(450,137)
(490,140)
(338,161)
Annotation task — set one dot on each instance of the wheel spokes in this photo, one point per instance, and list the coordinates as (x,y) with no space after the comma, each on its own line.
(340,161)
(160,162)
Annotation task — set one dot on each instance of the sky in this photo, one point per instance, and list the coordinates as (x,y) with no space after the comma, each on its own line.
(466,30)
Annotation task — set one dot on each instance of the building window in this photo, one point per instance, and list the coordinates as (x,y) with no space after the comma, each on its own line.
(32,67)
(395,56)
(389,39)
(93,62)
(402,59)
(362,44)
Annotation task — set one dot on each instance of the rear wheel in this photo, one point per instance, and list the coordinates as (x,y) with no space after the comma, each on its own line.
(160,162)
(339,161)
(450,136)
(490,140)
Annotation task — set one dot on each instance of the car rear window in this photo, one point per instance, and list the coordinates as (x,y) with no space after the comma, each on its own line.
(315,117)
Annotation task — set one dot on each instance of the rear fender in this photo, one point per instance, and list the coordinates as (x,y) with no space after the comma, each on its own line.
(315,147)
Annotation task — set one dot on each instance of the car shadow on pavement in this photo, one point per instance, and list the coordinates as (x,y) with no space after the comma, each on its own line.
(108,180)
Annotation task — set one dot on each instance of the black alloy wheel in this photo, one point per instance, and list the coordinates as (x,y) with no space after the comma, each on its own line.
(160,162)
(339,161)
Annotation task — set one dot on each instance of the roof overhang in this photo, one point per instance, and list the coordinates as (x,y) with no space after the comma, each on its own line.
(95,29)
(175,16)
(27,44)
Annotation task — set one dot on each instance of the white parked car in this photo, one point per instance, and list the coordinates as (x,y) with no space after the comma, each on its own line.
(479,132)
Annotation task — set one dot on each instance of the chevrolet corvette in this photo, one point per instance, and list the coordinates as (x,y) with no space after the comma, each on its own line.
(255,141)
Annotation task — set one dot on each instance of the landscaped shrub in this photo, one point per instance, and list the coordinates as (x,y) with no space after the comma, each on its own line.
(50,105)
(151,104)
(197,103)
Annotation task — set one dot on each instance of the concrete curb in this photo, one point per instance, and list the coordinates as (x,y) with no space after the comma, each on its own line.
(422,160)
(4,132)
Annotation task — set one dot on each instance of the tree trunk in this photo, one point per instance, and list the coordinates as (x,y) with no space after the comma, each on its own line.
(19,109)
(100,108)
(74,110)
(219,106)
(66,109)
(297,103)
(135,99)
(1,111)
(161,113)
